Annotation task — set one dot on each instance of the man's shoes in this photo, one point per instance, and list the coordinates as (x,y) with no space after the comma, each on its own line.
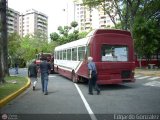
(33,87)
(98,92)
(46,93)
(90,93)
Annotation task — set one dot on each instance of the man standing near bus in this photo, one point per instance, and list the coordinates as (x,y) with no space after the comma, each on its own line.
(92,76)
(45,69)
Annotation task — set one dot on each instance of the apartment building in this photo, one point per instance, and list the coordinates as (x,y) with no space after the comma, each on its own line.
(33,21)
(92,18)
(83,16)
(12,20)
(104,19)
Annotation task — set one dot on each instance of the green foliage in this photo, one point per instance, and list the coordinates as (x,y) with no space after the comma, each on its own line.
(146,30)
(25,49)
(67,34)
(64,30)
(149,8)
(30,46)
(74,24)
(54,36)
(82,35)
(147,37)
(93,3)
(14,41)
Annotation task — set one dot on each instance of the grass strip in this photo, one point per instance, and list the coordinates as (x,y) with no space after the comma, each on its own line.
(12,84)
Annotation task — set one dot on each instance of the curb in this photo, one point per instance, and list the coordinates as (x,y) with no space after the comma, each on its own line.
(144,74)
(10,97)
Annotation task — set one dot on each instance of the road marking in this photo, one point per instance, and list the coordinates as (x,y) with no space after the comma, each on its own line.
(154,78)
(143,77)
(51,76)
(153,83)
(93,117)
(137,76)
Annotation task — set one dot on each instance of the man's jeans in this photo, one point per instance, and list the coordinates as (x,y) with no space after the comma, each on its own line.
(44,81)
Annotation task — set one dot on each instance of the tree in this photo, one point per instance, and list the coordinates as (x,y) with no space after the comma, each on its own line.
(31,45)
(64,30)
(3,42)
(146,29)
(67,34)
(54,36)
(125,9)
(82,35)
(147,37)
(74,24)
(14,41)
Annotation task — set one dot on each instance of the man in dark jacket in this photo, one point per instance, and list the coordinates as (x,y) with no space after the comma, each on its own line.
(45,69)
(32,73)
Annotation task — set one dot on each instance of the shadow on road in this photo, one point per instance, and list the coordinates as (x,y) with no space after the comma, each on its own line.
(115,87)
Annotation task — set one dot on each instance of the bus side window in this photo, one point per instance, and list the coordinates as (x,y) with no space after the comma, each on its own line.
(81,53)
(61,54)
(68,54)
(74,54)
(64,55)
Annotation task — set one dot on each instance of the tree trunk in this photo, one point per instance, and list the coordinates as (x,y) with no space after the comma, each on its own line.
(1,64)
(3,41)
(4,36)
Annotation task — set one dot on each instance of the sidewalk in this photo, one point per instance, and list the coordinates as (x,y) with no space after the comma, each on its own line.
(148,72)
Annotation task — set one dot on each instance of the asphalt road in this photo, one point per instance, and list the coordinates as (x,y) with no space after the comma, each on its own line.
(67,100)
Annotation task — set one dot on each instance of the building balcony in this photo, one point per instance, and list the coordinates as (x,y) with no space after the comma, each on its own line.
(44,23)
(102,26)
(87,25)
(102,22)
(42,18)
(88,28)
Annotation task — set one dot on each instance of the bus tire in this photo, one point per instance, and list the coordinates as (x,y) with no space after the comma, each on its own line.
(57,69)
(74,79)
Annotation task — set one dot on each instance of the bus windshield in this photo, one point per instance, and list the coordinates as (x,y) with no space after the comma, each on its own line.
(113,53)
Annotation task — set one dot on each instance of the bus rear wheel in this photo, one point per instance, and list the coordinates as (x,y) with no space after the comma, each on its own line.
(74,79)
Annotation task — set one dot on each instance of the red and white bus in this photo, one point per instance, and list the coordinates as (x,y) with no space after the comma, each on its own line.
(50,59)
(112,52)
(41,55)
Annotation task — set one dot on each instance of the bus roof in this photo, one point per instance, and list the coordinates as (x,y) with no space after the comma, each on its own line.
(104,31)
(80,42)
(84,41)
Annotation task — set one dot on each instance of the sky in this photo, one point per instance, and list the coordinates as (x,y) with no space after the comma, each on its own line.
(54,9)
